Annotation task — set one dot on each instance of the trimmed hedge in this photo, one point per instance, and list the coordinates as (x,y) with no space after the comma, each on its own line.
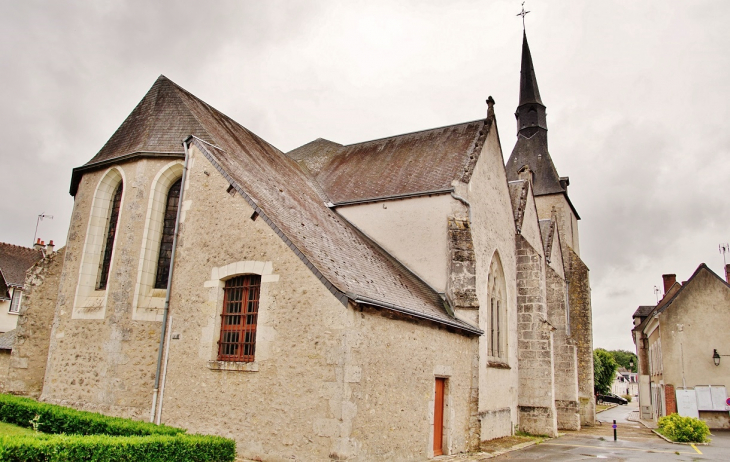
(103,448)
(683,429)
(71,435)
(58,419)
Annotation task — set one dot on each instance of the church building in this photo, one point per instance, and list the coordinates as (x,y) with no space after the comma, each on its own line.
(394,299)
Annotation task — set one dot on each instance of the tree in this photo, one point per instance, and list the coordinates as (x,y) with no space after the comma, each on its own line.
(624,359)
(604,370)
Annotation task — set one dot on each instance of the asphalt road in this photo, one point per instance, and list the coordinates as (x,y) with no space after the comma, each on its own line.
(635,443)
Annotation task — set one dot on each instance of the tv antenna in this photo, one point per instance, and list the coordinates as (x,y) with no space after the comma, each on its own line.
(657,292)
(724,249)
(40,218)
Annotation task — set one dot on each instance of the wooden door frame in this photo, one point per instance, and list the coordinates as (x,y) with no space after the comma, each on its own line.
(439,424)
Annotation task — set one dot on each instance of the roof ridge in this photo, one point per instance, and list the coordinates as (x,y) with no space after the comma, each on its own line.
(411,133)
(19,246)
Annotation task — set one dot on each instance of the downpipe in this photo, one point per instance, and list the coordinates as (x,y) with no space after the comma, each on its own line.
(154,414)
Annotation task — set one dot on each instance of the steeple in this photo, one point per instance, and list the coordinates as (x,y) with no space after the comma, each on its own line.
(530,111)
(530,153)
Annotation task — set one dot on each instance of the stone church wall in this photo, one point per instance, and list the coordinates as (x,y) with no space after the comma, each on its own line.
(535,345)
(105,364)
(581,331)
(493,235)
(329,381)
(30,352)
(564,354)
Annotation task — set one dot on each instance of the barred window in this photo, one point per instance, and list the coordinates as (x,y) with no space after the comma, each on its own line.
(238,319)
(168,235)
(15,301)
(110,234)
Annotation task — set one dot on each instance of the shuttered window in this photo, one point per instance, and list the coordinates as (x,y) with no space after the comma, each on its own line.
(238,319)
(168,235)
(110,235)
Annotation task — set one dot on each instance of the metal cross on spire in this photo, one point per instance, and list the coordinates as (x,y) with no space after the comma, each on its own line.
(523,13)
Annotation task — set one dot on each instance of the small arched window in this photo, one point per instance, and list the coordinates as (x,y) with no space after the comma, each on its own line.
(111,231)
(497,314)
(168,235)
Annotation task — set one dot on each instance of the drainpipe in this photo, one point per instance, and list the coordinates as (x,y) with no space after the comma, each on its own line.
(156,390)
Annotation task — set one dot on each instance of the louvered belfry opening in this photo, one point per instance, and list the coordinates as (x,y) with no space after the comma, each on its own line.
(110,235)
(168,235)
(238,319)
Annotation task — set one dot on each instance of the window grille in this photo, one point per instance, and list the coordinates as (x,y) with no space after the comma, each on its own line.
(15,301)
(168,235)
(238,319)
(111,233)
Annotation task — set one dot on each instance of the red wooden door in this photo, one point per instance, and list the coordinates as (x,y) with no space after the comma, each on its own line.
(438,418)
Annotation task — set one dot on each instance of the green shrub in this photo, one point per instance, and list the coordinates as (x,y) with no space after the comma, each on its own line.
(627,397)
(683,429)
(103,448)
(58,419)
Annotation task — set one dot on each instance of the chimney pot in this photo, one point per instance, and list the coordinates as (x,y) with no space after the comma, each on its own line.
(669,280)
(49,247)
(38,245)
(727,273)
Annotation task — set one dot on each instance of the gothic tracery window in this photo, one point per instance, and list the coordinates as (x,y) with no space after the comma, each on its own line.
(497,313)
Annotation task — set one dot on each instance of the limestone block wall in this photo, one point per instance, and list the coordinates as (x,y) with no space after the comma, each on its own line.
(32,336)
(535,345)
(558,205)
(581,331)
(493,235)
(4,363)
(100,358)
(461,285)
(328,381)
(564,354)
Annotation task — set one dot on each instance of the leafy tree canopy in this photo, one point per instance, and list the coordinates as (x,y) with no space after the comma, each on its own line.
(624,359)
(604,370)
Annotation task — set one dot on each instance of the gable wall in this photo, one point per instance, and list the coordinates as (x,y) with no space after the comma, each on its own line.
(328,380)
(567,222)
(493,230)
(691,328)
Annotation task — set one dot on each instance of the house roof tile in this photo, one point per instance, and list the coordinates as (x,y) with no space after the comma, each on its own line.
(15,261)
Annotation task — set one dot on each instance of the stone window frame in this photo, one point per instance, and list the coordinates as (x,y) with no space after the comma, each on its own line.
(497,303)
(90,303)
(149,303)
(216,284)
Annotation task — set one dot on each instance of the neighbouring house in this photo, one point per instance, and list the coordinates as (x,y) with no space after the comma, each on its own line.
(395,299)
(680,343)
(7,340)
(625,383)
(14,262)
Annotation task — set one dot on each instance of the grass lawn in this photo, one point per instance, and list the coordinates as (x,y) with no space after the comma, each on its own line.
(602,407)
(14,430)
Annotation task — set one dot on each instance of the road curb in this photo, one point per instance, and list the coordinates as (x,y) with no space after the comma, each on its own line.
(677,442)
(608,408)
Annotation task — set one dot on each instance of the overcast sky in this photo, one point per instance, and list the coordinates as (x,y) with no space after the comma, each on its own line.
(636,91)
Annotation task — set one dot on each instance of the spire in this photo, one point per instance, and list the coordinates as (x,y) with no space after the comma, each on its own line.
(529,93)
(530,153)
(530,111)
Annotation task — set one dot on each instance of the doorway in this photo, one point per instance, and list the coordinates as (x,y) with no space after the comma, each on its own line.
(438,417)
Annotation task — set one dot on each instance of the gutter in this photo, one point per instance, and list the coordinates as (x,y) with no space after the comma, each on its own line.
(154,414)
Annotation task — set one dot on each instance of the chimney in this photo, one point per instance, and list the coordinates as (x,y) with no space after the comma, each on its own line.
(38,245)
(727,273)
(669,280)
(49,248)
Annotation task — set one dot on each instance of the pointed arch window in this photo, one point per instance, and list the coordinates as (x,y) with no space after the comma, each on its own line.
(110,236)
(168,235)
(497,312)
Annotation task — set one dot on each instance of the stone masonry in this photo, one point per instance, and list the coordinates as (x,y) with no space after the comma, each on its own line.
(30,352)
(536,403)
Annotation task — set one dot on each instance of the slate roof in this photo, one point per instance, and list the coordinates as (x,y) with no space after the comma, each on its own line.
(155,128)
(286,198)
(643,311)
(403,165)
(529,92)
(15,261)
(7,340)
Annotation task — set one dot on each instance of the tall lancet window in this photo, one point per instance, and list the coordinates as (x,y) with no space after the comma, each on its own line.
(168,235)
(110,235)
(497,312)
